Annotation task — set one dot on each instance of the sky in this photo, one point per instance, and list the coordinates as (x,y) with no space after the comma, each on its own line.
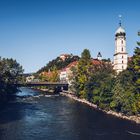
(36,31)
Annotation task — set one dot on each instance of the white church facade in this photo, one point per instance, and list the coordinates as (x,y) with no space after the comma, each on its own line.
(120,56)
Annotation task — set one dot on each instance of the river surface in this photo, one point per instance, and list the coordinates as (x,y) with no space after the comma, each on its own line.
(33,117)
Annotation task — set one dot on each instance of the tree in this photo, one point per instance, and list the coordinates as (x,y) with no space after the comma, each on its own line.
(138,42)
(54,75)
(126,89)
(82,74)
(137,61)
(58,63)
(136,67)
(102,81)
(43,78)
(124,98)
(10,75)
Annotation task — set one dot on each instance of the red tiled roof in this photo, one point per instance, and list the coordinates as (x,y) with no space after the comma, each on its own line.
(130,59)
(72,64)
(96,62)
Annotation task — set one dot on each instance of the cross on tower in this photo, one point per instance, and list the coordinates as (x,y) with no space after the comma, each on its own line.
(120,20)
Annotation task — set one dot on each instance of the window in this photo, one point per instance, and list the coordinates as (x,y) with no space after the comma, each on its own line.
(122,56)
(122,41)
(122,67)
(122,62)
(122,49)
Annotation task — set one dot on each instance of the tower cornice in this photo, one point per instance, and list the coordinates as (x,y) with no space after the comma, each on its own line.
(119,53)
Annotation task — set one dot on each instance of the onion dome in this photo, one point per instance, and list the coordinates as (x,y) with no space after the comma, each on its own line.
(120,32)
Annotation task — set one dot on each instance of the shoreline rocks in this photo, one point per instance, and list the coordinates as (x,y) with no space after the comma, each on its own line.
(135,119)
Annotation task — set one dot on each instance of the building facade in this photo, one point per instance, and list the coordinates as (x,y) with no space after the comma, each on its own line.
(120,56)
(66,73)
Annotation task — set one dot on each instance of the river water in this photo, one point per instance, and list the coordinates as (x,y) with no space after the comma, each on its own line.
(31,117)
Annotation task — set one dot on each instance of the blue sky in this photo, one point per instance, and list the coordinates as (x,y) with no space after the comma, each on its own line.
(36,31)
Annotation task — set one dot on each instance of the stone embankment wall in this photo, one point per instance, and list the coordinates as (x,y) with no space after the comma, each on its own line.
(135,119)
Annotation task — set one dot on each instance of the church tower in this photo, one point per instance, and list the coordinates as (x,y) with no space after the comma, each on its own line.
(120,56)
(99,56)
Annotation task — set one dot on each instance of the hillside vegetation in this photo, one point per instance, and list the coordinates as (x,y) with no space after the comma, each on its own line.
(58,63)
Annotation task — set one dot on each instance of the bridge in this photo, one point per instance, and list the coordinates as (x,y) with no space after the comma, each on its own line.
(58,85)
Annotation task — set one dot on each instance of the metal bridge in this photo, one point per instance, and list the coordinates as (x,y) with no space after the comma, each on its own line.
(47,84)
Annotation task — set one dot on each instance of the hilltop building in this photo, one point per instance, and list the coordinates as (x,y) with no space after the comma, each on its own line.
(99,56)
(64,56)
(120,56)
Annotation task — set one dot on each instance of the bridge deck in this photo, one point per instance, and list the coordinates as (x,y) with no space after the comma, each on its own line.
(44,84)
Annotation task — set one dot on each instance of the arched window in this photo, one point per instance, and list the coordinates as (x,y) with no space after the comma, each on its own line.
(122,67)
(122,56)
(122,62)
(122,49)
(122,41)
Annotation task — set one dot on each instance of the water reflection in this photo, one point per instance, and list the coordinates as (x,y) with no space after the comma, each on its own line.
(27,92)
(60,118)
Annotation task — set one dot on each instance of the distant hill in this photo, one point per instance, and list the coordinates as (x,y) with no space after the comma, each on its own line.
(59,63)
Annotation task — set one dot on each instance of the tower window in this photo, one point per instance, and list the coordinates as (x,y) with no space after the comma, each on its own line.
(122,62)
(122,41)
(122,56)
(122,49)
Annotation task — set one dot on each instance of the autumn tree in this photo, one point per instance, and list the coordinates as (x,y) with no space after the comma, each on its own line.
(54,77)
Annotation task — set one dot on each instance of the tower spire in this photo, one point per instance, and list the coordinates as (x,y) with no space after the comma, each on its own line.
(120,20)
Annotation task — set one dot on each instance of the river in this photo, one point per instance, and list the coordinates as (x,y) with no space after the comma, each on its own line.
(31,117)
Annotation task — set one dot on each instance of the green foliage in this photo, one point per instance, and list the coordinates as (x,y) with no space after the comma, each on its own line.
(124,93)
(52,77)
(106,60)
(126,98)
(138,42)
(55,76)
(102,81)
(136,65)
(100,85)
(82,74)
(43,78)
(10,75)
(58,63)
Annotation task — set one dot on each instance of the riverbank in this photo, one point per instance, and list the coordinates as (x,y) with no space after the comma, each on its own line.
(135,119)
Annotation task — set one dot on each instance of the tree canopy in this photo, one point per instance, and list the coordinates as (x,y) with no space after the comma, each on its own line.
(58,63)
(100,85)
(10,75)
